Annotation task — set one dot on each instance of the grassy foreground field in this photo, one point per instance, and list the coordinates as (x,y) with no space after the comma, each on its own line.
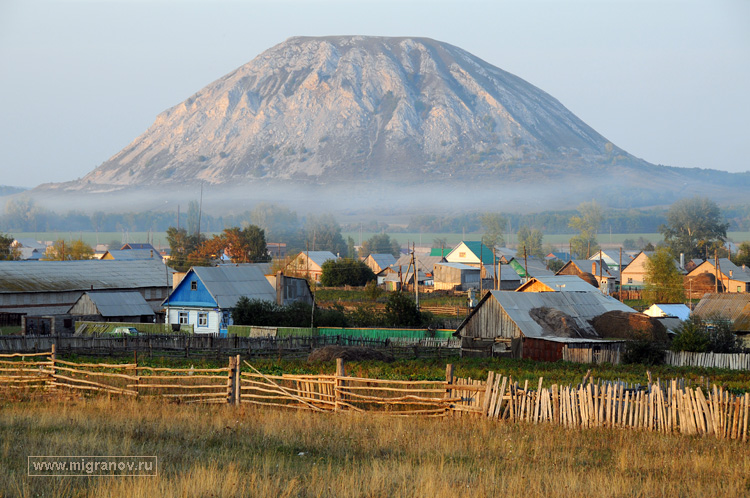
(226,451)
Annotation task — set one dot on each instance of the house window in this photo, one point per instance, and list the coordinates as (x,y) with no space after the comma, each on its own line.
(183,318)
(194,285)
(630,280)
(461,254)
(203,319)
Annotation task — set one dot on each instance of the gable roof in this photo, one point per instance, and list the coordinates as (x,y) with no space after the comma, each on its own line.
(57,276)
(130,254)
(135,246)
(732,306)
(116,303)
(534,267)
(227,283)
(580,306)
(474,246)
(320,257)
(561,283)
(382,260)
(679,311)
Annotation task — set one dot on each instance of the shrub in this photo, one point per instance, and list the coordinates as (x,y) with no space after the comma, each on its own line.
(402,311)
(644,352)
(345,271)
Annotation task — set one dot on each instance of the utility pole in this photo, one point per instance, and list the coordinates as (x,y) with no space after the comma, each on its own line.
(416,275)
(619,270)
(481,267)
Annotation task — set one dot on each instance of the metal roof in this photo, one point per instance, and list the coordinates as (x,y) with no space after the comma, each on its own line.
(383,260)
(732,306)
(580,306)
(51,276)
(661,310)
(117,303)
(320,257)
(459,266)
(228,283)
(129,254)
(562,283)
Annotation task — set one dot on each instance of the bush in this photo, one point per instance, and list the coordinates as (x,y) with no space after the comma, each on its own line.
(712,334)
(337,273)
(402,311)
(691,336)
(644,352)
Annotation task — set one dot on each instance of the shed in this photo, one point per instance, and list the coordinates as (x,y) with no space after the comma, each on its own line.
(113,306)
(503,317)
(379,262)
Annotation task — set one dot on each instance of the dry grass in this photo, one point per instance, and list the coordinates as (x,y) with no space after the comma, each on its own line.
(228,451)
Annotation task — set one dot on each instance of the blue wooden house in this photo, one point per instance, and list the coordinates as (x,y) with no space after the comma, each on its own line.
(206,296)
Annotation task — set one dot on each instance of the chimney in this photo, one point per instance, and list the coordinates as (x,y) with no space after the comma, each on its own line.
(593,267)
(682,260)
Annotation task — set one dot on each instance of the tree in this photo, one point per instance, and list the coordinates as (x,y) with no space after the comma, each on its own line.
(181,246)
(493,225)
(402,311)
(7,251)
(247,245)
(587,223)
(75,250)
(664,282)
(532,241)
(351,251)
(344,271)
(742,257)
(380,244)
(324,234)
(694,227)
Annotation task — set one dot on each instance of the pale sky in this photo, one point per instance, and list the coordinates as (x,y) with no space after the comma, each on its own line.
(668,81)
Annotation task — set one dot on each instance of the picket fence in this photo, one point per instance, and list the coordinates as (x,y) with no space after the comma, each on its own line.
(737,361)
(666,407)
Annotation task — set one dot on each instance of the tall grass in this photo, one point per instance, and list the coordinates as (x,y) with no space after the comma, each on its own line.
(230,451)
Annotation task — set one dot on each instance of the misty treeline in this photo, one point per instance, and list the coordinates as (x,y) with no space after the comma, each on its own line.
(284,225)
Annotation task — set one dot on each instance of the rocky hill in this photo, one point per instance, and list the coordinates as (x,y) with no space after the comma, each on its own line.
(352,108)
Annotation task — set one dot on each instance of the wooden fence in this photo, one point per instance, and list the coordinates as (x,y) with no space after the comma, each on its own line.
(207,345)
(601,353)
(664,407)
(738,361)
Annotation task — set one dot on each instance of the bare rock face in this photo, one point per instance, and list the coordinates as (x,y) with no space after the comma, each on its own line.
(352,108)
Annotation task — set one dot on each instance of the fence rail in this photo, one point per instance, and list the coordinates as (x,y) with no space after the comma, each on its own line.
(664,407)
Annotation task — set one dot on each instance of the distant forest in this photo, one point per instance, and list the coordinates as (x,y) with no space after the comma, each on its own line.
(281,223)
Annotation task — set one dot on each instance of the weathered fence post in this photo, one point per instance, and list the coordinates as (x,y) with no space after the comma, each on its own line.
(231,379)
(340,373)
(52,358)
(137,378)
(238,381)
(449,381)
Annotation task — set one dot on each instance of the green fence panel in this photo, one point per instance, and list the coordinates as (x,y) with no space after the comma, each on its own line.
(296,332)
(382,334)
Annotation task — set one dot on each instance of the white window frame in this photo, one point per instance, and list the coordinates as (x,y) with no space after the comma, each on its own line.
(203,317)
(183,317)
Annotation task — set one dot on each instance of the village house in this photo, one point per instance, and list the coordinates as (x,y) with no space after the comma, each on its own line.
(732,278)
(379,262)
(309,264)
(613,258)
(131,254)
(557,283)
(206,296)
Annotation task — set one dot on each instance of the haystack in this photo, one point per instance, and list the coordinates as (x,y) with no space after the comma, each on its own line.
(557,323)
(635,326)
(348,353)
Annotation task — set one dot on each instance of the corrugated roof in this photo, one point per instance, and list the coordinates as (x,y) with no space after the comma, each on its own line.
(734,307)
(320,257)
(562,283)
(459,266)
(118,303)
(50,276)
(581,306)
(228,283)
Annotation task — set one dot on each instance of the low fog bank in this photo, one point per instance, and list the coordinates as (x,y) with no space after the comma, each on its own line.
(381,198)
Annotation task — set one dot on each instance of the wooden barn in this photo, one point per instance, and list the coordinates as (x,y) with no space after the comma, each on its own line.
(112,306)
(503,322)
